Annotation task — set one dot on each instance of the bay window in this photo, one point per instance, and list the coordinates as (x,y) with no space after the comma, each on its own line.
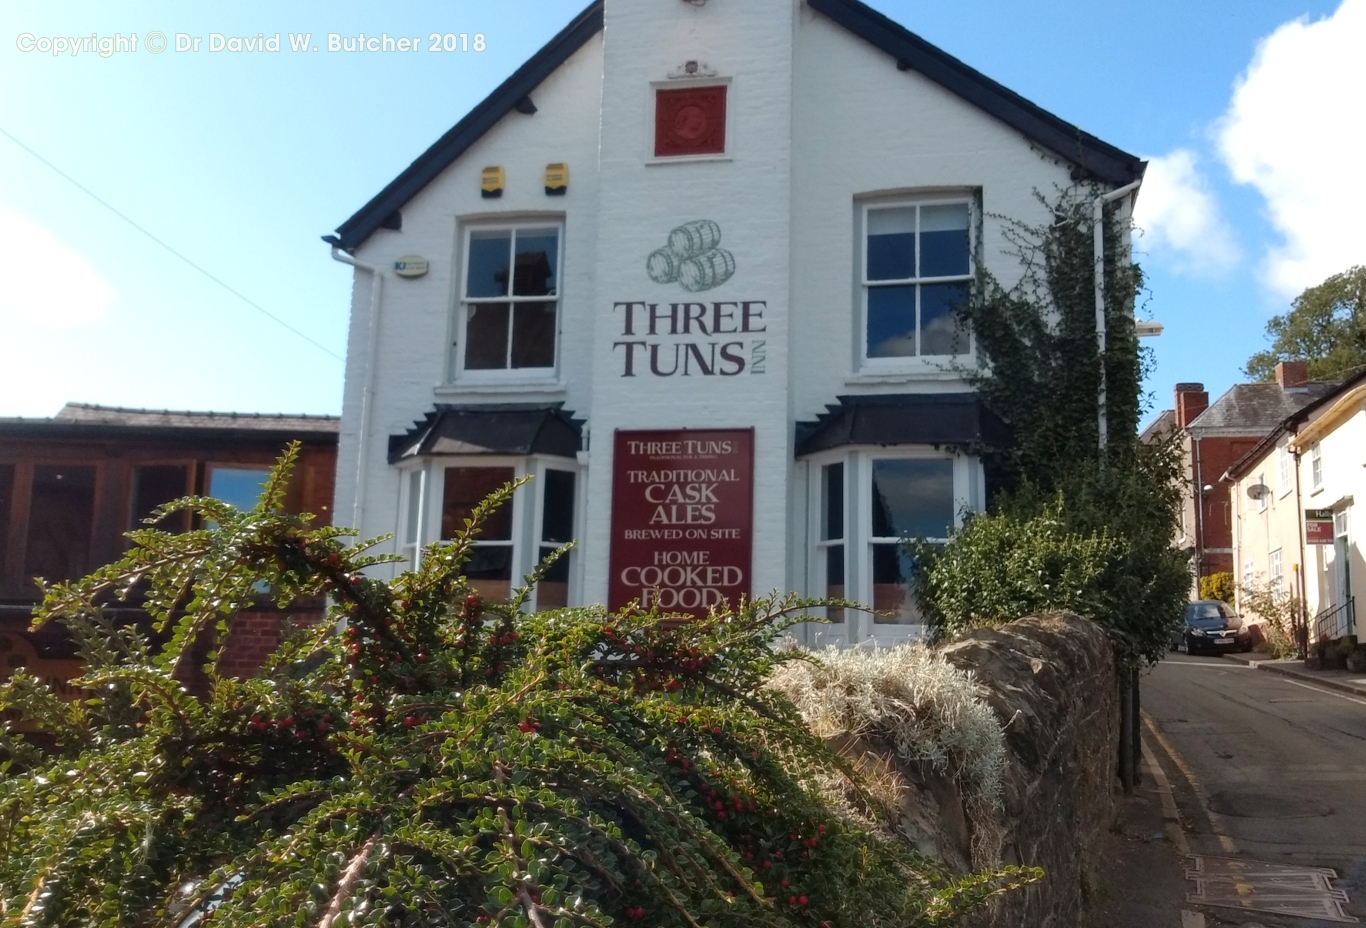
(916,272)
(867,506)
(440,494)
(909,498)
(509,307)
(489,569)
(830,544)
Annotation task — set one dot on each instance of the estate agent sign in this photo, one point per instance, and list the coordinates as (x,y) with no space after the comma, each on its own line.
(1318,526)
(682,518)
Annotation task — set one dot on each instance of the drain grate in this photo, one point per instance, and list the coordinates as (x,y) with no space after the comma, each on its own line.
(1255,886)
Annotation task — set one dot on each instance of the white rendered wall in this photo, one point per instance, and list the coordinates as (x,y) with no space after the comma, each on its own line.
(818,120)
(861,128)
(416,315)
(747,194)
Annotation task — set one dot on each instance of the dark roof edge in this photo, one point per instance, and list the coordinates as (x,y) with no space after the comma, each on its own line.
(1240,467)
(1096,158)
(354,231)
(81,431)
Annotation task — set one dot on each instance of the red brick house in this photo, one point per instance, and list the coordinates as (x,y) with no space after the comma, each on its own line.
(1213,437)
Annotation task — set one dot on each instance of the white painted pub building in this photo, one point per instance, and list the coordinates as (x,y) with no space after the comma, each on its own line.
(693,268)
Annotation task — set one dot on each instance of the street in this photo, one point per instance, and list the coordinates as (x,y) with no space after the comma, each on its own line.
(1262,769)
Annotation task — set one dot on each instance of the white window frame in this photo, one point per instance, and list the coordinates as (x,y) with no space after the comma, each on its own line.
(969,493)
(920,362)
(1315,466)
(458,373)
(822,546)
(1249,572)
(528,505)
(1285,463)
(1275,570)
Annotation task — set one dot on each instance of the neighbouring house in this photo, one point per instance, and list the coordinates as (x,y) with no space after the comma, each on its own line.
(1293,496)
(692,267)
(71,486)
(1212,438)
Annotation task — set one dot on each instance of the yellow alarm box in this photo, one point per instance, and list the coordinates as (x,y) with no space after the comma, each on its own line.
(556,179)
(491,182)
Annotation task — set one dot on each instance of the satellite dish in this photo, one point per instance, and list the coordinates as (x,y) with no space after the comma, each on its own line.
(1258,491)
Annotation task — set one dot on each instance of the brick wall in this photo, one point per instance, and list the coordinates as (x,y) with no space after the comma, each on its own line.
(254,636)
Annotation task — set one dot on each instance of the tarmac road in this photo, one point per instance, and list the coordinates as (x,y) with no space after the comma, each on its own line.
(1263,768)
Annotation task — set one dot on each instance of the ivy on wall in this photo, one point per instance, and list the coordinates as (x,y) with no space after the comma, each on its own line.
(1042,375)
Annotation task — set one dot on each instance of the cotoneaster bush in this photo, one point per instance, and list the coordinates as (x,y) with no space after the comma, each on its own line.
(425,758)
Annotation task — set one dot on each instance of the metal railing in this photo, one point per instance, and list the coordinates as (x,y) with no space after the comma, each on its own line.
(1332,623)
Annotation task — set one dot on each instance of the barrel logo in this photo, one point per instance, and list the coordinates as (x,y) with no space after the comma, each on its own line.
(693,258)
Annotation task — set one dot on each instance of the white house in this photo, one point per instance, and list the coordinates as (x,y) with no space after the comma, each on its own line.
(692,266)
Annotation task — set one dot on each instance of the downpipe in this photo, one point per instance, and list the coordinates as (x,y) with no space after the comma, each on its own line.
(368,387)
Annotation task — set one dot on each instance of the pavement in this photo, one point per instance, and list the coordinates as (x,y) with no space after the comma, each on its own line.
(1141,881)
(1263,784)
(1341,680)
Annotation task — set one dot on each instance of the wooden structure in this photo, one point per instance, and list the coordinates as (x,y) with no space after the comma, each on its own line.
(72,486)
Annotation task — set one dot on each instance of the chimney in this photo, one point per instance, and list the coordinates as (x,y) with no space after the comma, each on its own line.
(1292,374)
(1191,400)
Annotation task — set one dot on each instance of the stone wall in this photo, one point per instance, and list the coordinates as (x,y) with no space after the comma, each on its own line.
(1052,683)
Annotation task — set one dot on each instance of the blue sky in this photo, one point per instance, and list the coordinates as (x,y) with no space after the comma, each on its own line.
(240,161)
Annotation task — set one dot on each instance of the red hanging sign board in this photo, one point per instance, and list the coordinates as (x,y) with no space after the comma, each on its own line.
(1318,526)
(682,518)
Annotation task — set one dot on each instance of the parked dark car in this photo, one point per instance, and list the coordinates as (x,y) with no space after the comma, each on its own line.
(1212,625)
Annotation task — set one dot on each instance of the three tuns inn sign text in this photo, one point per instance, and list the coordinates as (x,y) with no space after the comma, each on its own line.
(682,518)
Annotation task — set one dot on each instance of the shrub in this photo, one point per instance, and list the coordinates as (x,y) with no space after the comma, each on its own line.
(1000,567)
(1281,612)
(1043,377)
(1218,586)
(440,761)
(924,708)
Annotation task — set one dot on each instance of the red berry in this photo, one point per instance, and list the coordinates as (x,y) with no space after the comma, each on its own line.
(410,721)
(801,900)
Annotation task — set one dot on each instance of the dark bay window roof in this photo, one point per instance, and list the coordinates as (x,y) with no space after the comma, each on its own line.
(903,419)
(495,428)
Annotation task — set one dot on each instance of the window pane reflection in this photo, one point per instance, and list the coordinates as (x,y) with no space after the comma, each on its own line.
(486,337)
(892,566)
(465,488)
(487,272)
(940,329)
(533,335)
(944,240)
(891,244)
(538,253)
(912,498)
(891,322)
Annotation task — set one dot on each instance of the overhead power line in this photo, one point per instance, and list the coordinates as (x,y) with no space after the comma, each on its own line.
(237,293)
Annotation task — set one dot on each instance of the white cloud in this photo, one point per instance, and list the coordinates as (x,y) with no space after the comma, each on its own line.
(45,283)
(1294,132)
(1176,211)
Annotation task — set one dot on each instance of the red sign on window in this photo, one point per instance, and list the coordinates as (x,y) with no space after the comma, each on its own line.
(690,121)
(682,518)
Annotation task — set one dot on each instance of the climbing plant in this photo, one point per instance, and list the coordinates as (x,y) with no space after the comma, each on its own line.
(424,757)
(1042,375)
